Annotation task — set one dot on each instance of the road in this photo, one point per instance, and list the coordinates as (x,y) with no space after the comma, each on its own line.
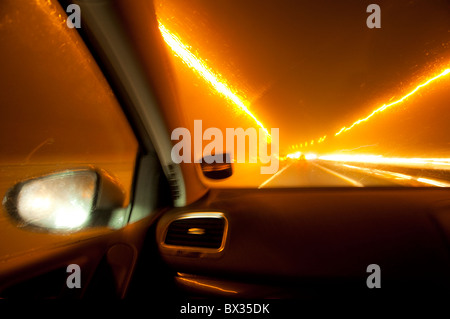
(321,173)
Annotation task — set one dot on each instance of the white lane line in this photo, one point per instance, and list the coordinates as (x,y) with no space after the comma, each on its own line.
(345,178)
(273,176)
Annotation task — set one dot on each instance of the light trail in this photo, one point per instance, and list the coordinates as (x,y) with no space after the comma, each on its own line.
(384,107)
(437,163)
(393,175)
(198,65)
(195,282)
(433,182)
(380,172)
(377,172)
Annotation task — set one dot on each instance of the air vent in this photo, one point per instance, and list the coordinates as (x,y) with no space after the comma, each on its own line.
(193,231)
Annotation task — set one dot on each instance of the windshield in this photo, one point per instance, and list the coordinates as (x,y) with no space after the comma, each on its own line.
(344,93)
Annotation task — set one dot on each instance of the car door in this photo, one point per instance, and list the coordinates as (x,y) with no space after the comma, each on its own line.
(66,140)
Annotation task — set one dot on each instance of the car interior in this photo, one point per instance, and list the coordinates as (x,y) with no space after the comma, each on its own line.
(87,116)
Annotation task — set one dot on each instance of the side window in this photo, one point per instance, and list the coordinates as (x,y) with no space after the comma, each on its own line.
(57,111)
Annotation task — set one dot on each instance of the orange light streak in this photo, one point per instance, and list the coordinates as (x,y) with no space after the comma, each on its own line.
(385,106)
(389,175)
(198,65)
(206,285)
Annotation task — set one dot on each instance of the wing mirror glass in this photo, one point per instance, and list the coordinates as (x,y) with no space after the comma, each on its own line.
(65,201)
(217,166)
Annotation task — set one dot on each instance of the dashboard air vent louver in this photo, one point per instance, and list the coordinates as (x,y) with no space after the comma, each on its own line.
(203,232)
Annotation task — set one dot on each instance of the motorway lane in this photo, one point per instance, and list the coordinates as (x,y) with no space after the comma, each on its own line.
(308,174)
(320,173)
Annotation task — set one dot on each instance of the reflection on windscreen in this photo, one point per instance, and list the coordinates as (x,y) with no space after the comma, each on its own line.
(355,106)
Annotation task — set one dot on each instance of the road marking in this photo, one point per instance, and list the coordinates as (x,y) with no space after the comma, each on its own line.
(345,178)
(273,176)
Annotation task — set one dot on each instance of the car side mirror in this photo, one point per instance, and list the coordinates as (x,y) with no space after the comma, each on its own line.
(65,201)
(217,166)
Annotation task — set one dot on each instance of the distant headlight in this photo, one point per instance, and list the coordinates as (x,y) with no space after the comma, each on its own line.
(310,156)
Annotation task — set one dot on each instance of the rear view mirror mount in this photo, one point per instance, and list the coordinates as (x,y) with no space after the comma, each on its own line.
(217,166)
